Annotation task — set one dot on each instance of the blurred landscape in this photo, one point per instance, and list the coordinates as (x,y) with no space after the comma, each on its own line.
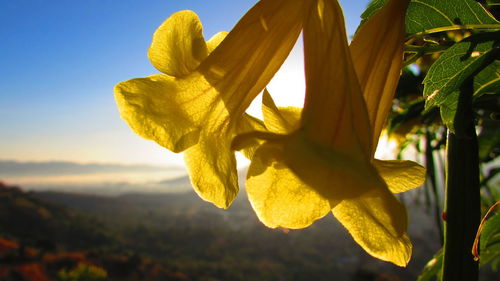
(118,231)
(92,178)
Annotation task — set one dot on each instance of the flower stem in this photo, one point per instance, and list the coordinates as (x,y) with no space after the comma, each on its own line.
(462,202)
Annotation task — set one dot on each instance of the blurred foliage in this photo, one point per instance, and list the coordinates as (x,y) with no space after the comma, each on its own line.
(448,43)
(83,272)
(432,268)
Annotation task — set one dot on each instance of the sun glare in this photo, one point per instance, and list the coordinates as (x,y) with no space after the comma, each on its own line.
(288,85)
(387,148)
(287,88)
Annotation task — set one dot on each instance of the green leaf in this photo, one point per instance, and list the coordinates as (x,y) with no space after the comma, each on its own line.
(432,268)
(488,80)
(448,109)
(372,8)
(490,241)
(428,15)
(461,61)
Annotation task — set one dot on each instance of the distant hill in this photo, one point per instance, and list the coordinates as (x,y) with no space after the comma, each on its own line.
(182,226)
(42,241)
(11,168)
(183,181)
(36,222)
(99,179)
(92,178)
(180,233)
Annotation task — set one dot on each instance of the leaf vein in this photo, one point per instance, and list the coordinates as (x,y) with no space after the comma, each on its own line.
(470,8)
(435,9)
(486,85)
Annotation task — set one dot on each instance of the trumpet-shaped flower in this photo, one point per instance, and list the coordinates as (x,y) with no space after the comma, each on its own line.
(197,105)
(322,160)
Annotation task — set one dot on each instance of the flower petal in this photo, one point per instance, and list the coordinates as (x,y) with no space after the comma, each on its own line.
(178,44)
(282,120)
(249,124)
(249,56)
(215,41)
(378,65)
(377,222)
(332,172)
(277,195)
(146,105)
(231,76)
(277,122)
(173,111)
(212,170)
(334,110)
(400,175)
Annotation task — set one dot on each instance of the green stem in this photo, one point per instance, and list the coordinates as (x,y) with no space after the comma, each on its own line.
(458,27)
(425,49)
(431,172)
(462,202)
(419,51)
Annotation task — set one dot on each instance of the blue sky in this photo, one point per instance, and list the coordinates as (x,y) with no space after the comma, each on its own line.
(60,60)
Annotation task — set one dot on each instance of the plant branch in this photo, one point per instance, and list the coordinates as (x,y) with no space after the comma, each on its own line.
(462,202)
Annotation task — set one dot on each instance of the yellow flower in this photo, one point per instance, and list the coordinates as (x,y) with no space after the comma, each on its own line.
(323,161)
(197,105)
